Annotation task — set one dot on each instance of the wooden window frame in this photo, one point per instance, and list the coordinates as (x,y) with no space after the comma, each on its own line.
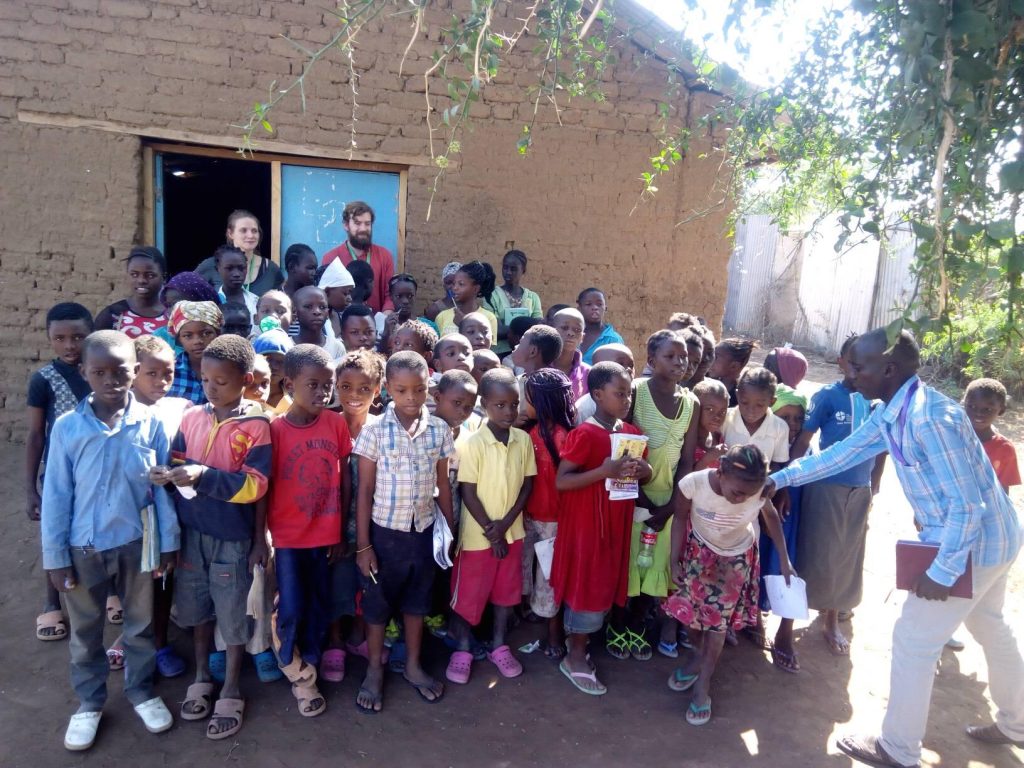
(275,160)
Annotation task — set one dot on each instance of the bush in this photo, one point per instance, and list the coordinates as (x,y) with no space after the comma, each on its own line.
(978,342)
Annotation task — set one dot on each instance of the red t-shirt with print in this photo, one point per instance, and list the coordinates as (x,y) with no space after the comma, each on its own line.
(305,481)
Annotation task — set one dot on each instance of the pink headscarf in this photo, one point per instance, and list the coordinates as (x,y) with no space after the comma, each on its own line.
(792,365)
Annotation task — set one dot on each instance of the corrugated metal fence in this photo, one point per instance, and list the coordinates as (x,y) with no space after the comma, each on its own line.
(799,289)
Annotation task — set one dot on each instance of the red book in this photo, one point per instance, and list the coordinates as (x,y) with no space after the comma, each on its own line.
(915,557)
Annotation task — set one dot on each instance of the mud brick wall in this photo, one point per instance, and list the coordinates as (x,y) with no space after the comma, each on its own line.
(73,200)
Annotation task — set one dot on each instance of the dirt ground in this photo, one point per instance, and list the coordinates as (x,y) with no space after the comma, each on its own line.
(761,715)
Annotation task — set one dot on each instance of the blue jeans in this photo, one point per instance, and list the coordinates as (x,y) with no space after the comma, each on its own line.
(303,606)
(95,571)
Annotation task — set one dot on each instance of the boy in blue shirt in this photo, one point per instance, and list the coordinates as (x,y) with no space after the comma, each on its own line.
(53,390)
(833,528)
(97,484)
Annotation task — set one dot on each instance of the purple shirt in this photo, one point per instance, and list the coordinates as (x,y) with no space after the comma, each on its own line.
(578,375)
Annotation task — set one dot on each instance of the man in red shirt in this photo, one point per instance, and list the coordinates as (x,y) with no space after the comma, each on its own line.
(358,220)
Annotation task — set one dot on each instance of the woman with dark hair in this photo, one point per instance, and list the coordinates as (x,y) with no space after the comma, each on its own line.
(244,233)
(512,300)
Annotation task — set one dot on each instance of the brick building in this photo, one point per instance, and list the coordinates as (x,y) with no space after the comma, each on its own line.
(104,102)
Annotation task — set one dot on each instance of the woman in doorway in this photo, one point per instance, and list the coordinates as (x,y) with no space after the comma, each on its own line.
(512,299)
(261,273)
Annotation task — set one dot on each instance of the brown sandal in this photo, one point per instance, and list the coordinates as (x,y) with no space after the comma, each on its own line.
(200,695)
(115,612)
(51,620)
(226,709)
(311,701)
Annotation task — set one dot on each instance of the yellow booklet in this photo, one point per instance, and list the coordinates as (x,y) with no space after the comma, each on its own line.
(633,446)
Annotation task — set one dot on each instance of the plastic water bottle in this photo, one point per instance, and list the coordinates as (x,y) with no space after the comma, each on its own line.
(270,324)
(645,555)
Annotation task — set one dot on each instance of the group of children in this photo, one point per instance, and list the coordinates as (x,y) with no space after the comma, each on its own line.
(297,477)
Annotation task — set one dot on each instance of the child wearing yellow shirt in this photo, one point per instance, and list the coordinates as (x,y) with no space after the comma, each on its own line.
(488,564)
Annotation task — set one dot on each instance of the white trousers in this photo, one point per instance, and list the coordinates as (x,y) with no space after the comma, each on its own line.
(921,633)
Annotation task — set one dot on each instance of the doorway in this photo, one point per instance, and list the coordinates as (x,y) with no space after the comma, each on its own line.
(196,195)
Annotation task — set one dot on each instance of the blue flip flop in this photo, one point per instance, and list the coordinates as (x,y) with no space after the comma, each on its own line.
(681,682)
(698,715)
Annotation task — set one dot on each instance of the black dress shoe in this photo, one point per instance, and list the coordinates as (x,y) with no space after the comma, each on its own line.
(990,734)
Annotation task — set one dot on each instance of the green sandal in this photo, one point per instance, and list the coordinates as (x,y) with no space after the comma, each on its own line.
(639,648)
(617,643)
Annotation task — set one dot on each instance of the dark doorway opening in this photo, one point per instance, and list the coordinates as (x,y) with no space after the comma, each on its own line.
(198,195)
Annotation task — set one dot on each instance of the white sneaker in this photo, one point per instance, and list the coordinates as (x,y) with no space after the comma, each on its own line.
(955,644)
(155,715)
(81,732)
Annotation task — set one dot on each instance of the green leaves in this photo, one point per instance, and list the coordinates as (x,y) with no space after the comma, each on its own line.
(1011,176)
(923,231)
(1000,230)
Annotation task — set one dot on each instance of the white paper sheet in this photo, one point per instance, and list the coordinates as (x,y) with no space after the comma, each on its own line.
(545,549)
(787,602)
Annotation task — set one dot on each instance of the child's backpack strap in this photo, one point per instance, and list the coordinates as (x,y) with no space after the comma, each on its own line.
(64,399)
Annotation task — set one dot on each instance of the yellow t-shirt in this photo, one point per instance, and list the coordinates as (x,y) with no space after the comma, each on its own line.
(446,324)
(498,472)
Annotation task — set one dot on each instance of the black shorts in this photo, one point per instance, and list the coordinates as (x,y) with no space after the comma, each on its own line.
(405,574)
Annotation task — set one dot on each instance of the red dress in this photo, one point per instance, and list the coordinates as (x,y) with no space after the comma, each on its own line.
(545,500)
(590,571)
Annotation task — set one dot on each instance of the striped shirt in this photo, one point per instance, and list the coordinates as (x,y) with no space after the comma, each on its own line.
(943,470)
(406,468)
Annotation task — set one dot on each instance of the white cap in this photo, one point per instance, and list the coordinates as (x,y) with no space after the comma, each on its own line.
(335,276)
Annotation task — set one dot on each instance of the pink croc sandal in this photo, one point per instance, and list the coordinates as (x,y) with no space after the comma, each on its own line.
(459,667)
(506,663)
(332,665)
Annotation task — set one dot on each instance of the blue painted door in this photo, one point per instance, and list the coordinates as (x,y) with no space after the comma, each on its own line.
(312,201)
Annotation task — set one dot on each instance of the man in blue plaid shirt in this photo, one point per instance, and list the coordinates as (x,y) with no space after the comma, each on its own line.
(959,504)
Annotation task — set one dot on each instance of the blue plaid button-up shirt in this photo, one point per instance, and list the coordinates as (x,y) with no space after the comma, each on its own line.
(945,474)
(186,383)
(403,499)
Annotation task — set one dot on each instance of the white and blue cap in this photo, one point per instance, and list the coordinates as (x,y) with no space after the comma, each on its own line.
(273,342)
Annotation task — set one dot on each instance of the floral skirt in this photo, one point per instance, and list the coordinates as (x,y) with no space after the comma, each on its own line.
(720,591)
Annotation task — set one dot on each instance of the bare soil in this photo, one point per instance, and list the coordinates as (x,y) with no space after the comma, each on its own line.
(761,716)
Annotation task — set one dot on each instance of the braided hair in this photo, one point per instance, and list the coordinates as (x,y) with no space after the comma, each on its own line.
(482,274)
(550,393)
(745,461)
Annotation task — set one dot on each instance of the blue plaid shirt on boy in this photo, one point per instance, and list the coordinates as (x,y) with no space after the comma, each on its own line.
(403,499)
(945,474)
(186,383)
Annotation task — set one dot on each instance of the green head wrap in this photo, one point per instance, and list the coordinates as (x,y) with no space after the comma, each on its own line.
(788,396)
